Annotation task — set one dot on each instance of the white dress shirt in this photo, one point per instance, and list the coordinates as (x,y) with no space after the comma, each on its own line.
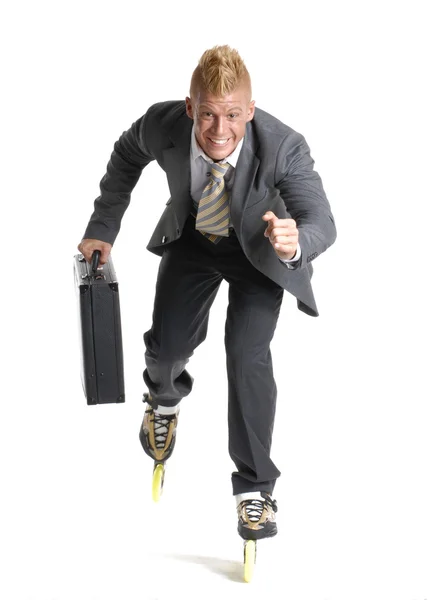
(200,177)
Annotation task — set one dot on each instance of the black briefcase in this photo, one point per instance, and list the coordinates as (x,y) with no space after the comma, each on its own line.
(100,331)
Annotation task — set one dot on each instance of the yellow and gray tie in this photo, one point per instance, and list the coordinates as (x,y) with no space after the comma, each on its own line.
(212,218)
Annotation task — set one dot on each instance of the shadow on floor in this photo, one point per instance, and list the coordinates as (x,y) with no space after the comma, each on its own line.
(230,569)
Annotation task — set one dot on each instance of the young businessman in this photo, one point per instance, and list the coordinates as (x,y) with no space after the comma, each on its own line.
(246,206)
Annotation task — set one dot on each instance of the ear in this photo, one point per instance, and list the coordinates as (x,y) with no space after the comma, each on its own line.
(251,111)
(189,107)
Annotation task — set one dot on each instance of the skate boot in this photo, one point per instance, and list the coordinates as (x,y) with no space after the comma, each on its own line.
(256,521)
(158,438)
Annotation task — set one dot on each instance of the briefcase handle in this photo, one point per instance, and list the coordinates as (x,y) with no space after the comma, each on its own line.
(95,260)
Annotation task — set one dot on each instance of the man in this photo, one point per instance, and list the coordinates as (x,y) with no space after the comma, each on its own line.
(246,206)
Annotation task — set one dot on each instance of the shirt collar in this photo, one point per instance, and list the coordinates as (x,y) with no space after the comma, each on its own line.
(197,151)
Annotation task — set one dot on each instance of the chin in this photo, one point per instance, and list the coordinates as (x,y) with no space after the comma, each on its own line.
(217,156)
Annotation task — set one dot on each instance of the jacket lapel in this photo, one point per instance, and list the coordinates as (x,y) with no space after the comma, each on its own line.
(177,167)
(245,173)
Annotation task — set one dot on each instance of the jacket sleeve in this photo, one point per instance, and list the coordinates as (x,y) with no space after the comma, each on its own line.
(128,159)
(302,191)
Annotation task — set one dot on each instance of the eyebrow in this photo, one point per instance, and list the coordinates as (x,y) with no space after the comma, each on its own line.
(209,108)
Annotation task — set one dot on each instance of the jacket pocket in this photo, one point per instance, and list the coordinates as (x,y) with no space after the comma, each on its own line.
(255,199)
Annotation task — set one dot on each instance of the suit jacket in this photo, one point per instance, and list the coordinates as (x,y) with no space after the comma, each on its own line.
(274,172)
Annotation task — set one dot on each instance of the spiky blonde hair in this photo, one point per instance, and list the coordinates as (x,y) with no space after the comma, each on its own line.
(220,71)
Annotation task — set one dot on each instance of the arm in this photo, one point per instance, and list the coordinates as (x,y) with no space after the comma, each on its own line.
(302,192)
(128,159)
(290,262)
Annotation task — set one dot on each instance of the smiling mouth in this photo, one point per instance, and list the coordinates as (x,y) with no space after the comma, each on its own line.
(219,142)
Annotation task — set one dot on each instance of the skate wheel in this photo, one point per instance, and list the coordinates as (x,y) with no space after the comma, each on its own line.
(157,481)
(249,559)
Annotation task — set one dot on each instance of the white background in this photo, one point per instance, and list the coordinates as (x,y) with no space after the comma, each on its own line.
(355,434)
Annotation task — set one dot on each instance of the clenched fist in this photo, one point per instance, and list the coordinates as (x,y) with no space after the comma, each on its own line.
(87,247)
(283,235)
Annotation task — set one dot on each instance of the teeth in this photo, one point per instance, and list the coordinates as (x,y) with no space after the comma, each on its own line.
(222,142)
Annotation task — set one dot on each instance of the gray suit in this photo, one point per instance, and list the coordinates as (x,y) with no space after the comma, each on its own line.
(274,172)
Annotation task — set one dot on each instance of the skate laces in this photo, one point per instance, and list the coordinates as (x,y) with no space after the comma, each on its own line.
(254,508)
(161,427)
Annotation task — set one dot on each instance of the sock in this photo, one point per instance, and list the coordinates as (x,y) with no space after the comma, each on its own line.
(167,410)
(248,496)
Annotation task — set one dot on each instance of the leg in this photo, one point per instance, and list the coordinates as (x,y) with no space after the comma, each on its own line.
(186,287)
(254,305)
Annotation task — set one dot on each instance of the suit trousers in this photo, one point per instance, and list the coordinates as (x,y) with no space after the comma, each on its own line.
(189,275)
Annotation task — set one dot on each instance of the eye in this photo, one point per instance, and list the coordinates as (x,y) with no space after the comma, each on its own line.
(233,115)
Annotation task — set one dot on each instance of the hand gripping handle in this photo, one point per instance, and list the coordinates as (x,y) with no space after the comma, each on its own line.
(95,260)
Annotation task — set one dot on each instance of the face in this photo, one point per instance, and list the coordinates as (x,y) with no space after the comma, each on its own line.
(220,123)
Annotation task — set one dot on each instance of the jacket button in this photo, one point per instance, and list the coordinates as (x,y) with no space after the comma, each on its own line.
(163,239)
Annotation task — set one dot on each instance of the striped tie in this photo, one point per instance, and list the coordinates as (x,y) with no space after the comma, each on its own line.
(213,212)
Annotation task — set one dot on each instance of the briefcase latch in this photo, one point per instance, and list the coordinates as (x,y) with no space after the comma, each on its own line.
(97,277)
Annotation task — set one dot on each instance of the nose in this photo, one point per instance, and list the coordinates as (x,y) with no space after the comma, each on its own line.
(219,126)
